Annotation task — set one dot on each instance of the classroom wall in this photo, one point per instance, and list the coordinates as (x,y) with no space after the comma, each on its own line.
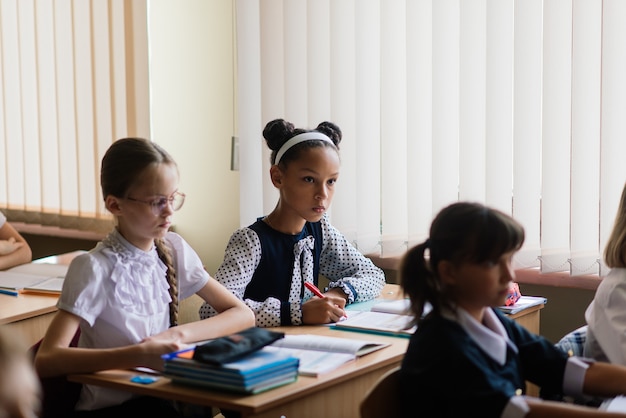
(565,310)
(192,105)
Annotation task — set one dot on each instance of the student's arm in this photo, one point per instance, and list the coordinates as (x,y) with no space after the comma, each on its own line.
(349,271)
(605,379)
(550,409)
(241,258)
(14,250)
(233,316)
(55,357)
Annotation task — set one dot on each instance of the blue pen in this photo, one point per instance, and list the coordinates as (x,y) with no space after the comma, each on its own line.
(9,292)
(170,356)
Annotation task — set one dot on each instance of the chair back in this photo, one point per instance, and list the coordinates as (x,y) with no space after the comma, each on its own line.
(383,399)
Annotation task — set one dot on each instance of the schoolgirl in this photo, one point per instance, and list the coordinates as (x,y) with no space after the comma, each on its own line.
(468,359)
(124,294)
(267,263)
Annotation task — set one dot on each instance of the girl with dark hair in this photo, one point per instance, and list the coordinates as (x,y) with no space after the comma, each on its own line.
(268,263)
(467,358)
(124,293)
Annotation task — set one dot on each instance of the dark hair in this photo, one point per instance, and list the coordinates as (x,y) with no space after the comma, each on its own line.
(122,165)
(279,131)
(461,232)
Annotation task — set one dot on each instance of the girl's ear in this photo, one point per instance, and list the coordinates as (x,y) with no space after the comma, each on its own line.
(113,205)
(276,175)
(447,272)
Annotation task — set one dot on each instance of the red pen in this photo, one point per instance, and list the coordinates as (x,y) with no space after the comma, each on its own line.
(314,289)
(319,294)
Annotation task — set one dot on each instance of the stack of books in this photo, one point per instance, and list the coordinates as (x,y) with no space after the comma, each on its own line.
(256,372)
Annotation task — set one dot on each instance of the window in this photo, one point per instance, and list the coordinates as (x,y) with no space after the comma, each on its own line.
(74,79)
(517,104)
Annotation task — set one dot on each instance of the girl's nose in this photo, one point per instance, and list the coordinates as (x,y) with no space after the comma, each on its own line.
(508,272)
(322,193)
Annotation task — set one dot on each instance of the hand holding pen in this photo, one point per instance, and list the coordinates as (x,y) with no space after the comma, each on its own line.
(336,314)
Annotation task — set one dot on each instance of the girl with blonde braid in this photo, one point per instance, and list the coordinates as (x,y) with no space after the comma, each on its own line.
(124,294)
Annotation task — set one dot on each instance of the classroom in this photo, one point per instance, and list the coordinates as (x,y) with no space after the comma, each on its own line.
(472,110)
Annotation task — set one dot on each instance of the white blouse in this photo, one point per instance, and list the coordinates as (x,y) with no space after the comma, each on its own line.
(606,317)
(122,296)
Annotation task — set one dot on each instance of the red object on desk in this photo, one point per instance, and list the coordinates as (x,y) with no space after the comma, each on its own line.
(513,295)
(314,289)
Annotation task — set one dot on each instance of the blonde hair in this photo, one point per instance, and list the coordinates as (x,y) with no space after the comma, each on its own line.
(166,256)
(615,249)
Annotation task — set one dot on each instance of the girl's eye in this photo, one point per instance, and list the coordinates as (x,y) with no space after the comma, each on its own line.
(309,179)
(332,181)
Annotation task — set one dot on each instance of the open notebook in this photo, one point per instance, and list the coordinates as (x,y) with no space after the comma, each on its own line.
(320,354)
(36,278)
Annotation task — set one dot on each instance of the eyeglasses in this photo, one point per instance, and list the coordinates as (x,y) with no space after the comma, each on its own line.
(157,206)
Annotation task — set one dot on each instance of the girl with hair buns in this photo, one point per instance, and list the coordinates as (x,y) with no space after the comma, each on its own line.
(467,358)
(267,263)
(124,293)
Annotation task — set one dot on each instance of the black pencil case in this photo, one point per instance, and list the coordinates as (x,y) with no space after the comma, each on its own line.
(235,346)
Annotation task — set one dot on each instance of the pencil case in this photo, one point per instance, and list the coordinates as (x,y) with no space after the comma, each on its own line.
(235,346)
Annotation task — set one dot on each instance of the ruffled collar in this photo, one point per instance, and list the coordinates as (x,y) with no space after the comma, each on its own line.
(139,276)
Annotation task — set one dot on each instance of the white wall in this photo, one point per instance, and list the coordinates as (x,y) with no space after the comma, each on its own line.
(191,85)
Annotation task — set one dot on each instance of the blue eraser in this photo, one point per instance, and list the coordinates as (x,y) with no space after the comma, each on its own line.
(144,380)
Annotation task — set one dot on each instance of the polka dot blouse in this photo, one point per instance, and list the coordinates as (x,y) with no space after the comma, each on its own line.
(266,269)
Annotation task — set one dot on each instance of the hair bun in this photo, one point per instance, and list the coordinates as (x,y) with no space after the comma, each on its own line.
(277,132)
(330,130)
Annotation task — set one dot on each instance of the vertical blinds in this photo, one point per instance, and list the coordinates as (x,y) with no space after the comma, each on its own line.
(516,104)
(73,79)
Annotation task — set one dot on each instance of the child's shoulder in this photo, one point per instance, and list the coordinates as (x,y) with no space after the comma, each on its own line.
(90,264)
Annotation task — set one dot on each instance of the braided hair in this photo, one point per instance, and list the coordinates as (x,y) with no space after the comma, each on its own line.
(122,165)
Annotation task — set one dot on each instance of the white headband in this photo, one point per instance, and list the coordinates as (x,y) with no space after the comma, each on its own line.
(306,136)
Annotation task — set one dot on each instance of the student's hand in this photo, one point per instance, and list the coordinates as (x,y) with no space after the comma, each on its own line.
(7,246)
(154,347)
(323,311)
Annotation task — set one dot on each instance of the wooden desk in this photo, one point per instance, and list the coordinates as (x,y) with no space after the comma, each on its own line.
(30,314)
(529,318)
(338,393)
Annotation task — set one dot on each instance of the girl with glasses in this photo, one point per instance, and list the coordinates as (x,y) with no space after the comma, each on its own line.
(124,294)
(268,263)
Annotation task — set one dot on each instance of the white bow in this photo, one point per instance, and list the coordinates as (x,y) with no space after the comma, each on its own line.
(302,270)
